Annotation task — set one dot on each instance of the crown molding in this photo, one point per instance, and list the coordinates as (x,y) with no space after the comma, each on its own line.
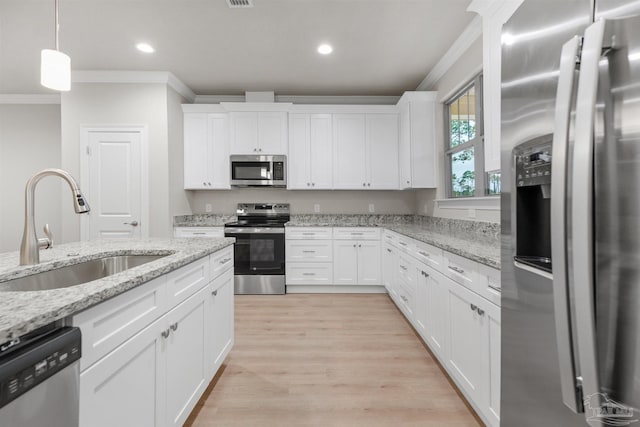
(305,99)
(470,34)
(165,77)
(53,98)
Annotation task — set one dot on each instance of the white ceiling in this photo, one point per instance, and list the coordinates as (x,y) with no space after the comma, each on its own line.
(381,47)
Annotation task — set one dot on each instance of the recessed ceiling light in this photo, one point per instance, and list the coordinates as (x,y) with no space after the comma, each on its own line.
(325,49)
(146,48)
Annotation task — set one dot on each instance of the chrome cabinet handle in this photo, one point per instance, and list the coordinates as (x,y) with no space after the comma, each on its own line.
(204,183)
(199,233)
(132,223)
(225,260)
(424,254)
(308,274)
(260,150)
(308,252)
(353,233)
(480,311)
(425,274)
(165,334)
(359,246)
(313,184)
(473,307)
(308,234)
(174,327)
(209,184)
(403,243)
(456,269)
(364,184)
(495,288)
(403,267)
(215,293)
(388,250)
(354,246)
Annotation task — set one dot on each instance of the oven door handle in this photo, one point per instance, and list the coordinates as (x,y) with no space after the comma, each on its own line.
(254,230)
(265,268)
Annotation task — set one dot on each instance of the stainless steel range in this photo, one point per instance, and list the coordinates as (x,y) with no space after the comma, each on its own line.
(259,249)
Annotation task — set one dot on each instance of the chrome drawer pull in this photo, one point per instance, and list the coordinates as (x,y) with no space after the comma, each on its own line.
(424,254)
(308,252)
(495,288)
(480,311)
(473,307)
(225,260)
(403,267)
(308,274)
(215,293)
(308,234)
(456,269)
(174,327)
(425,274)
(388,250)
(402,243)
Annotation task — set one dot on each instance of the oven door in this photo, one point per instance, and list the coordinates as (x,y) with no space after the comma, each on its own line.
(258,251)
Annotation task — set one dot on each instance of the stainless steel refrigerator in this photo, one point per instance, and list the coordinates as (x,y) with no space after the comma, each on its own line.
(571,214)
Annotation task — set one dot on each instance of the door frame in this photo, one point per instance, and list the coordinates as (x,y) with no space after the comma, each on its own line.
(85,130)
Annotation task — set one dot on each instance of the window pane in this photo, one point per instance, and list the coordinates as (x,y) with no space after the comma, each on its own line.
(463,181)
(493,182)
(462,118)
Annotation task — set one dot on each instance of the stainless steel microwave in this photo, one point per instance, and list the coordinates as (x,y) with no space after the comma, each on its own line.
(258,171)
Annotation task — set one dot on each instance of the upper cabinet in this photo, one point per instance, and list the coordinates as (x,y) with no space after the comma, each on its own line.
(365,151)
(417,145)
(206,151)
(262,132)
(310,152)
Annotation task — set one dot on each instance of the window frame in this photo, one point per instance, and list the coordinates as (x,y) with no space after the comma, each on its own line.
(476,143)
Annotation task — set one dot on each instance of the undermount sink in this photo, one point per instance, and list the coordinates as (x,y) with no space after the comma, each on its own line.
(77,274)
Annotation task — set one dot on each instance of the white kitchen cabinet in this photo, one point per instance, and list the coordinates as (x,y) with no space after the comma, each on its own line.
(365,148)
(349,151)
(436,311)
(216,232)
(259,132)
(310,158)
(357,262)
(417,140)
(389,269)
(219,322)
(127,386)
(492,354)
(186,371)
(206,151)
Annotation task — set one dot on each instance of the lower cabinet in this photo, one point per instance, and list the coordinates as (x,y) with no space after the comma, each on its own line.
(389,269)
(156,374)
(218,324)
(357,262)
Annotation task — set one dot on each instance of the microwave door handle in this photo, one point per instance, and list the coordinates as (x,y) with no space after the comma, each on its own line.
(582,214)
(564,100)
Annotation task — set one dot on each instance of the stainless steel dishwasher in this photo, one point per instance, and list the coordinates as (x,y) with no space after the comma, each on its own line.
(39,379)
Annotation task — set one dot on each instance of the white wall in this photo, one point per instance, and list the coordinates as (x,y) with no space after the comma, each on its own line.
(178,197)
(29,142)
(107,104)
(461,73)
(348,202)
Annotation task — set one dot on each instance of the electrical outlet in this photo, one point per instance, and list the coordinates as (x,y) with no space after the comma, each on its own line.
(208,207)
(471,213)
(316,208)
(372,208)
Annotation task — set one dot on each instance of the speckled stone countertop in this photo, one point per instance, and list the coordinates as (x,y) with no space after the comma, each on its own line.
(22,312)
(203,220)
(478,241)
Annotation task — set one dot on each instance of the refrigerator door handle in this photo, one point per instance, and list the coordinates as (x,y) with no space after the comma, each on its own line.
(582,216)
(564,102)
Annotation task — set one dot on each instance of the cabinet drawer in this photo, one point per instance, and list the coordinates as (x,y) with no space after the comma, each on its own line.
(407,272)
(489,284)
(220,261)
(356,233)
(309,233)
(429,255)
(198,232)
(406,299)
(461,270)
(390,237)
(186,281)
(109,324)
(309,251)
(406,245)
(303,273)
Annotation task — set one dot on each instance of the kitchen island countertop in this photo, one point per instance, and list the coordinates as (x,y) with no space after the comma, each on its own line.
(24,311)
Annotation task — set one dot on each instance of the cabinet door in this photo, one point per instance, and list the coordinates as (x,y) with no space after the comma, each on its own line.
(218,322)
(272,132)
(299,152)
(389,267)
(125,388)
(321,152)
(196,161)
(349,151)
(382,151)
(345,262)
(244,132)
(492,351)
(404,133)
(466,340)
(369,263)
(436,313)
(186,371)
(218,152)
(421,301)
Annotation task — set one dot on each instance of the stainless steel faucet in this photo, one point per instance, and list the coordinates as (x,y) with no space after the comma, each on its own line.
(30,247)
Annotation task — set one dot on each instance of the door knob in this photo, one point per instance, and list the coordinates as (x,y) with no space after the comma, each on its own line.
(132,223)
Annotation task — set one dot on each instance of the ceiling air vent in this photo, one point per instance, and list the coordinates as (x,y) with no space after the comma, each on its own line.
(240,3)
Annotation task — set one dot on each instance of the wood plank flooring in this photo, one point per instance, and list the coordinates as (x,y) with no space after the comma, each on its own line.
(328,360)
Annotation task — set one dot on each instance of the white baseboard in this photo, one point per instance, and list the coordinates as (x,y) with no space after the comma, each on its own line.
(335,289)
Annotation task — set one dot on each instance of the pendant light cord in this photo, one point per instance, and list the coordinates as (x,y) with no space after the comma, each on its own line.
(57,26)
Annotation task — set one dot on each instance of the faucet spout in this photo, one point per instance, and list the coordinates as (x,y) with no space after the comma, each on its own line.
(30,247)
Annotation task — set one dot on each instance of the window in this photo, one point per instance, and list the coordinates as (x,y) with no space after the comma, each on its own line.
(464,149)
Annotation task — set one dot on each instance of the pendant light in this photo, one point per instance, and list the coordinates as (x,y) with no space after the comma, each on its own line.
(55,66)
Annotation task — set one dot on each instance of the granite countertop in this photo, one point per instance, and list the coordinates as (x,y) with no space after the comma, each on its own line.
(22,312)
(475,241)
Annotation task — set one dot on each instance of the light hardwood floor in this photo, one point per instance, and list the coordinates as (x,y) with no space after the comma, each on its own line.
(328,360)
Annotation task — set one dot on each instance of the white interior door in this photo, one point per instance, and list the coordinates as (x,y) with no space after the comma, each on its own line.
(113,168)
